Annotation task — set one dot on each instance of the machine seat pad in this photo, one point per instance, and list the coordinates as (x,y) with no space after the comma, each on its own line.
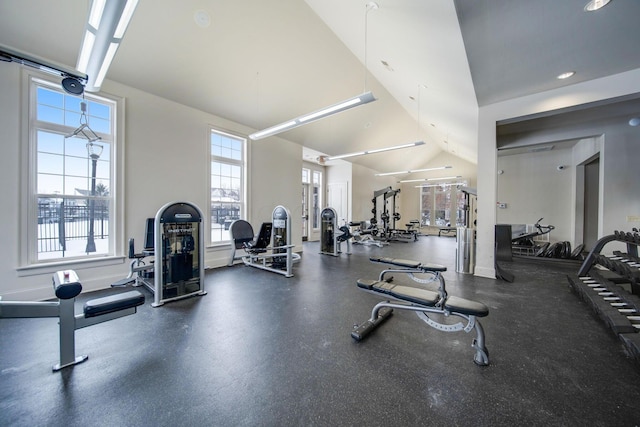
(407,293)
(465,306)
(117,302)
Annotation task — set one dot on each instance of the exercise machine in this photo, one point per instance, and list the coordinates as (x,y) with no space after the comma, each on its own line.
(374,219)
(411,233)
(387,230)
(389,219)
(332,236)
(271,249)
(364,233)
(423,302)
(67,287)
(524,243)
(175,241)
(140,267)
(179,253)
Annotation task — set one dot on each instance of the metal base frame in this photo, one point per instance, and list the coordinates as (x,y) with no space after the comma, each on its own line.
(69,322)
(383,309)
(260,260)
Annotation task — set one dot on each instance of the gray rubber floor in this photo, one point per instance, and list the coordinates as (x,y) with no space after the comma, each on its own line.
(263,350)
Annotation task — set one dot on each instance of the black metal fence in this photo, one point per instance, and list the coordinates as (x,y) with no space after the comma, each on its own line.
(59,223)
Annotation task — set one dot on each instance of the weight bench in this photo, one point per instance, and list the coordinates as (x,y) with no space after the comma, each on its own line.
(66,288)
(423,301)
(447,230)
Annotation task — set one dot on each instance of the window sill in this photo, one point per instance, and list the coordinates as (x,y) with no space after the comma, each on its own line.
(52,267)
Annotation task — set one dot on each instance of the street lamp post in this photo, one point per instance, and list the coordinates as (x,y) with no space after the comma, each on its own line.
(94,154)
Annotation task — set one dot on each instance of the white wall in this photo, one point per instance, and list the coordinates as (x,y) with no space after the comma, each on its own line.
(364,184)
(276,179)
(166,159)
(580,93)
(532,188)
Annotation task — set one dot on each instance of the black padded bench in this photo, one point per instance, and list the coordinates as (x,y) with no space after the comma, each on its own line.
(67,287)
(447,230)
(423,302)
(425,297)
(112,303)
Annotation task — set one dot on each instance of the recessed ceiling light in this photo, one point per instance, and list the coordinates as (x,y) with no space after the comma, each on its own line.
(634,121)
(566,75)
(202,18)
(594,5)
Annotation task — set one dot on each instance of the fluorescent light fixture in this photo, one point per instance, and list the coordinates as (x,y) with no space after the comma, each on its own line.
(566,75)
(363,98)
(444,184)
(344,156)
(323,159)
(106,25)
(594,5)
(413,171)
(95,13)
(430,179)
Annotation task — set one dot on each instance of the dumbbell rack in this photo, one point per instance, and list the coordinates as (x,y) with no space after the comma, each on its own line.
(611,285)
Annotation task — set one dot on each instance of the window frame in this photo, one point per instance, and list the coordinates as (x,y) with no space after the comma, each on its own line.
(243,164)
(450,191)
(28,259)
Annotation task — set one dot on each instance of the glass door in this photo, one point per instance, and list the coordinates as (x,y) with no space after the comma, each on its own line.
(305,212)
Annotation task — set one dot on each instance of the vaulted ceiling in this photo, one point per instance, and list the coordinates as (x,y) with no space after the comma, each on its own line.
(430,63)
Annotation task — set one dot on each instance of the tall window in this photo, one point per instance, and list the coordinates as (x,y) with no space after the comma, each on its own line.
(317,199)
(71,212)
(427,205)
(461,209)
(443,204)
(227,183)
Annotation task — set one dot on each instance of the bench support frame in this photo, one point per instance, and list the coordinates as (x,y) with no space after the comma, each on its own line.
(383,310)
(69,322)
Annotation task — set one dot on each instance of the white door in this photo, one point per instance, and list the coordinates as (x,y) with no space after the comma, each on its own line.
(337,199)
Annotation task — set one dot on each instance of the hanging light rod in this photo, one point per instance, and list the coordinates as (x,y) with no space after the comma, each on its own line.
(430,179)
(361,99)
(323,159)
(106,25)
(413,171)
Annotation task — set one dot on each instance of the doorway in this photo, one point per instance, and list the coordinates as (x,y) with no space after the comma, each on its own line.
(591,202)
